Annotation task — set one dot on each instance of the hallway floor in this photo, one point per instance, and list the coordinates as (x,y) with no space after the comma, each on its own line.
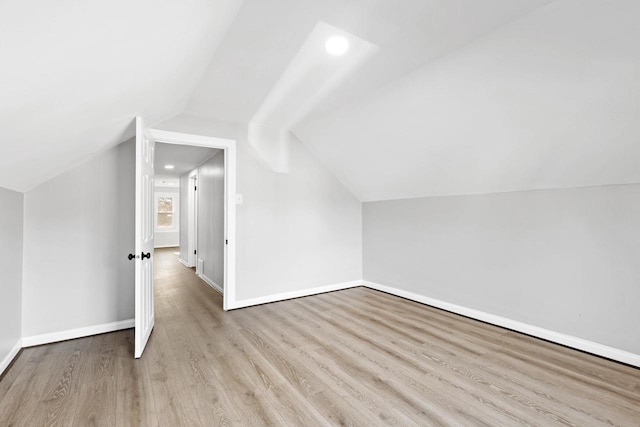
(352,357)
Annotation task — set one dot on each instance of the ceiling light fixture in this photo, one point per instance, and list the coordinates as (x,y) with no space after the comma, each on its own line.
(337,45)
(169,167)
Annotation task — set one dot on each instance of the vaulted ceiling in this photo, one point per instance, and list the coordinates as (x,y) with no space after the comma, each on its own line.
(435,97)
(74,74)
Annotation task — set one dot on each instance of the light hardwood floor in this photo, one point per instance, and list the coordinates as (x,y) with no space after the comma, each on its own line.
(352,357)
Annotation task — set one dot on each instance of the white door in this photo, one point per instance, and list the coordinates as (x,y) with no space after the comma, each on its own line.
(145,148)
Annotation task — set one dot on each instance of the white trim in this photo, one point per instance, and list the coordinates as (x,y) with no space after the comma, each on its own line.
(229,147)
(9,357)
(77,333)
(211,283)
(192,220)
(166,246)
(183,262)
(296,294)
(553,336)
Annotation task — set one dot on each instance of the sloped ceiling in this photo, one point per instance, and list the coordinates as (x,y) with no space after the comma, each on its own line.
(453,96)
(461,97)
(267,35)
(74,74)
(551,100)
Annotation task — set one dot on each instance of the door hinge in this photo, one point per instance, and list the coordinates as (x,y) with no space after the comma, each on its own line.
(195,252)
(195,188)
(226,242)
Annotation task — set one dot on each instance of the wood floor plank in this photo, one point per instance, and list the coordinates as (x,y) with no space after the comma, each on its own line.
(308,383)
(293,408)
(550,390)
(333,378)
(355,389)
(256,411)
(617,401)
(351,357)
(59,401)
(23,400)
(213,403)
(10,375)
(97,402)
(173,403)
(134,400)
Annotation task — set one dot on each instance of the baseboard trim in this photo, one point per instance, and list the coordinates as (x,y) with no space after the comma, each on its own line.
(183,262)
(4,364)
(546,334)
(294,294)
(211,283)
(77,333)
(165,247)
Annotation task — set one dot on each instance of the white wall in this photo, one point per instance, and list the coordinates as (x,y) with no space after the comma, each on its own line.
(211,218)
(162,238)
(563,260)
(11,241)
(295,230)
(79,228)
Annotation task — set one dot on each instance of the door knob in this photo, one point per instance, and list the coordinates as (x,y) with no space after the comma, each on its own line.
(131,256)
(147,255)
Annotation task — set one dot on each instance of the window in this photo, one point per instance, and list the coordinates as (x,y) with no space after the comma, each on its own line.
(166,211)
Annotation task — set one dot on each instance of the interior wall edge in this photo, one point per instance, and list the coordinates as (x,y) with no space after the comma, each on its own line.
(70,334)
(294,294)
(525,328)
(211,283)
(4,364)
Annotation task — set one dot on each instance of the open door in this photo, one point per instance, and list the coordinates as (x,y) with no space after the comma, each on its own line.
(145,148)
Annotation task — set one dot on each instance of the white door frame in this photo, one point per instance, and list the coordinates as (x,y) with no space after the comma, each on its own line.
(192,218)
(229,147)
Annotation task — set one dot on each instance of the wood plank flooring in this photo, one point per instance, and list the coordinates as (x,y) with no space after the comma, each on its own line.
(352,357)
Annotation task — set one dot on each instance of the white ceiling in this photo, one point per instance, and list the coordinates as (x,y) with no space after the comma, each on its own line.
(184,158)
(74,74)
(453,96)
(551,100)
(267,35)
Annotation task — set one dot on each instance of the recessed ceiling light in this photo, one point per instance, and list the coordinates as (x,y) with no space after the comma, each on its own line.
(337,45)
(169,167)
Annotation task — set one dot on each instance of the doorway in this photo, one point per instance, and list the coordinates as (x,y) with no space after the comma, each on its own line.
(216,177)
(145,177)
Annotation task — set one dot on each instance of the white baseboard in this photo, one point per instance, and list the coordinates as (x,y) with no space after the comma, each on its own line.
(185,263)
(77,333)
(165,246)
(294,294)
(4,364)
(211,283)
(557,337)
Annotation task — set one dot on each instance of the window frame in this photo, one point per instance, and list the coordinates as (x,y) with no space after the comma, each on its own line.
(176,212)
